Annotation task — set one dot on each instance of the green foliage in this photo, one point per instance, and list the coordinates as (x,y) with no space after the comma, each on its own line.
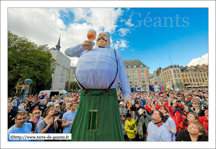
(28,60)
(74,86)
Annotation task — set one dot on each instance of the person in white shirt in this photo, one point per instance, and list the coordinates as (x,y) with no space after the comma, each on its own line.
(169,123)
(98,71)
(53,100)
(156,130)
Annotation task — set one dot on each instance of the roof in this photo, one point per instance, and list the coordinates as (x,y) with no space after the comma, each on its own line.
(158,71)
(132,62)
(191,68)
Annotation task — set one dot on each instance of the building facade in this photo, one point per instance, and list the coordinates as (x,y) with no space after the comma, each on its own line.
(195,76)
(61,66)
(171,74)
(137,72)
(156,77)
(70,77)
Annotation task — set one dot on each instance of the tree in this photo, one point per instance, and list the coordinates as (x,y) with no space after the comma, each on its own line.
(28,60)
(74,86)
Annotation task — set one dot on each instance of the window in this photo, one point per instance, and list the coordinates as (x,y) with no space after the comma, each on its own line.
(134,66)
(175,75)
(129,71)
(174,71)
(142,71)
(203,80)
(182,75)
(191,75)
(198,75)
(130,77)
(136,82)
(185,75)
(135,77)
(199,79)
(179,76)
(195,75)
(190,80)
(201,75)
(187,80)
(141,65)
(177,70)
(188,75)
(131,82)
(184,80)
(135,71)
(193,80)
(129,66)
(143,81)
(196,80)
(204,74)
(143,76)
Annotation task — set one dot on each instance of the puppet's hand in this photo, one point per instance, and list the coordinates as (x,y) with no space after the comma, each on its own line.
(88,45)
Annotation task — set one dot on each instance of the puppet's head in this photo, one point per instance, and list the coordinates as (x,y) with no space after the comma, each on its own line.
(155,83)
(103,39)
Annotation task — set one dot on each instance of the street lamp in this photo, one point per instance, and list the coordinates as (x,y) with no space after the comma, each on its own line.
(27,83)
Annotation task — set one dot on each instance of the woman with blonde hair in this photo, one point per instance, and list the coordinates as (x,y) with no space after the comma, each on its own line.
(195,132)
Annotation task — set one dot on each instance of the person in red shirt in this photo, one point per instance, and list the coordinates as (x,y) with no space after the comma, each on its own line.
(185,111)
(189,98)
(148,106)
(204,119)
(191,117)
(161,103)
(175,113)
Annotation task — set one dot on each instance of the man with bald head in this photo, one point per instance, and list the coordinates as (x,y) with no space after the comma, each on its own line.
(97,73)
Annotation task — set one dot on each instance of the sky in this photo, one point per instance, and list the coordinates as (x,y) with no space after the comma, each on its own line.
(158,37)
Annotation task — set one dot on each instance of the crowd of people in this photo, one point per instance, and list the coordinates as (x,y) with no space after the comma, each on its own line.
(166,116)
(154,116)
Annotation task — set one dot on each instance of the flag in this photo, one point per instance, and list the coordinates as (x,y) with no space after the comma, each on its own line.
(162,88)
(45,95)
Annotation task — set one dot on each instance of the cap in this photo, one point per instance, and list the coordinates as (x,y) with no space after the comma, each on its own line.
(37,110)
(121,103)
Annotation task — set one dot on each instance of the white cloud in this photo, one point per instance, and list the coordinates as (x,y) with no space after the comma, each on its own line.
(128,22)
(123,31)
(43,25)
(199,60)
(120,44)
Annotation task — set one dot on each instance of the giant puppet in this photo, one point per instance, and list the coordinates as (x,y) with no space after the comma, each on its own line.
(97,73)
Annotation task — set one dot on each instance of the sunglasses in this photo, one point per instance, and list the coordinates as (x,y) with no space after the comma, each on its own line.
(57,106)
(37,113)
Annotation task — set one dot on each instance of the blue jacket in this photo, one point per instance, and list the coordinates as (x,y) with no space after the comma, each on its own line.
(133,89)
(151,88)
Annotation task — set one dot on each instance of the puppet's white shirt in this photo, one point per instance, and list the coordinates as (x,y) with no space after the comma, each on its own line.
(96,69)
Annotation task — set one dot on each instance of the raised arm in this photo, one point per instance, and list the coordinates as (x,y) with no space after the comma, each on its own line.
(123,77)
(75,51)
(78,50)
